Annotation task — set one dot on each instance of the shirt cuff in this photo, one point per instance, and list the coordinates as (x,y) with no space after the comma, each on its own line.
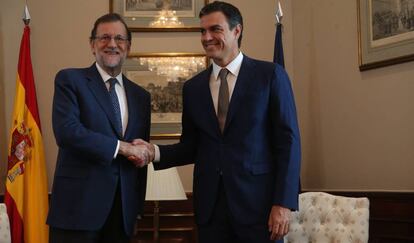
(157,154)
(116,150)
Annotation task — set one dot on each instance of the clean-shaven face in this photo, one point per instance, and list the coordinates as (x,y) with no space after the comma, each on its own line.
(219,42)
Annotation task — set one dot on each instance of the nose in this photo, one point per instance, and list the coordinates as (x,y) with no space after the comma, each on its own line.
(112,43)
(206,36)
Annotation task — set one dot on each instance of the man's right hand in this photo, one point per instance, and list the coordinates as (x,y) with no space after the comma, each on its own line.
(150,147)
(137,153)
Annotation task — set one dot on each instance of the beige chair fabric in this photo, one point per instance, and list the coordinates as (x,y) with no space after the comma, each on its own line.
(325,218)
(4,225)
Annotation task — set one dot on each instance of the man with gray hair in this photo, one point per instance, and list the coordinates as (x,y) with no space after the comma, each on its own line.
(97,192)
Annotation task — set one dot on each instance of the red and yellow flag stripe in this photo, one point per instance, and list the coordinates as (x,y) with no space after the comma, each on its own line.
(26,194)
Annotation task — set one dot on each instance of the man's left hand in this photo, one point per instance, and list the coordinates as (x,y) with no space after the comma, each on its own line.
(278,222)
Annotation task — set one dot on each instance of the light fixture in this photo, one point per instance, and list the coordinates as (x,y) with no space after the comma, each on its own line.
(166,19)
(174,67)
(162,185)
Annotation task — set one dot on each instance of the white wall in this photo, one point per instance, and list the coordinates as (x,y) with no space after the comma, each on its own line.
(356,126)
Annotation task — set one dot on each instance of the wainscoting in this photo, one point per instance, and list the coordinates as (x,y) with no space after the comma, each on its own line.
(176,222)
(391,216)
(391,219)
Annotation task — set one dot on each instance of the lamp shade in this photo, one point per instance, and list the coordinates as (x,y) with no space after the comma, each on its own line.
(164,185)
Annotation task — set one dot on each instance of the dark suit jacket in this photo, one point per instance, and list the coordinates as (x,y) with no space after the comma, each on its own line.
(86,175)
(258,155)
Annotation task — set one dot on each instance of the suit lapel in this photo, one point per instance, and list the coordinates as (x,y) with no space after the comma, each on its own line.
(205,97)
(243,83)
(99,90)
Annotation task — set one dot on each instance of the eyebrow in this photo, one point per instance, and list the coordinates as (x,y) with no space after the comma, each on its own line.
(105,34)
(216,26)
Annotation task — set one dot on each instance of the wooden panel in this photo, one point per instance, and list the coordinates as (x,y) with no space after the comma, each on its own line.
(176,222)
(391,216)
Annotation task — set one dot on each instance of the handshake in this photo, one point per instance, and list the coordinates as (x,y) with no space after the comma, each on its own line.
(139,152)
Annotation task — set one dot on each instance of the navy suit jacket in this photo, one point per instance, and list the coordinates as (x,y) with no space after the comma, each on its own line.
(86,174)
(258,154)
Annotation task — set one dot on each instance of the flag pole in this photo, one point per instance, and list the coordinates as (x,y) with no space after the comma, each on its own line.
(26,15)
(279,14)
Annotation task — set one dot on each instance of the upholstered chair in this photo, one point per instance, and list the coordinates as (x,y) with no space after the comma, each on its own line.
(4,225)
(325,218)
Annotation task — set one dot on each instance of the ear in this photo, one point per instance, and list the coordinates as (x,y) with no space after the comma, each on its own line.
(237,30)
(92,45)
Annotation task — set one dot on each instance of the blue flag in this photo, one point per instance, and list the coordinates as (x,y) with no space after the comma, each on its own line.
(278,51)
(279,59)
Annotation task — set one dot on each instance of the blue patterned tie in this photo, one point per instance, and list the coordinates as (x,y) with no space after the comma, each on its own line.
(115,104)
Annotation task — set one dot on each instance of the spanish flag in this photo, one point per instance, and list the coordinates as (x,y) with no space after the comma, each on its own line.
(26,195)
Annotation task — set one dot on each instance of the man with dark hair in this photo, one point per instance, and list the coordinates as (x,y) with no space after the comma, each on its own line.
(232,14)
(239,128)
(97,192)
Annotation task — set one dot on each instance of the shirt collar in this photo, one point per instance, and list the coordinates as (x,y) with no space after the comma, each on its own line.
(233,66)
(105,76)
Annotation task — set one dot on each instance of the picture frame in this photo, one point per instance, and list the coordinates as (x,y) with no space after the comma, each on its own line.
(385,32)
(163,75)
(138,14)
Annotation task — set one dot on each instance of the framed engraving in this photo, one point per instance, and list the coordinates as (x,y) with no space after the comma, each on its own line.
(139,14)
(386,32)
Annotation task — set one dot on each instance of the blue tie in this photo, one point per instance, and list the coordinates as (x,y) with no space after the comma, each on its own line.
(115,104)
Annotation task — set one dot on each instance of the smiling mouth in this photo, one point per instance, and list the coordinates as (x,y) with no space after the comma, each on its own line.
(206,45)
(111,52)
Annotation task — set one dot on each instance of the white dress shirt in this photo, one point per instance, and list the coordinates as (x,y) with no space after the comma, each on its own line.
(234,69)
(120,93)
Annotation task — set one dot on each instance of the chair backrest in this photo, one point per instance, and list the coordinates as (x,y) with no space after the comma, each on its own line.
(4,225)
(325,218)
